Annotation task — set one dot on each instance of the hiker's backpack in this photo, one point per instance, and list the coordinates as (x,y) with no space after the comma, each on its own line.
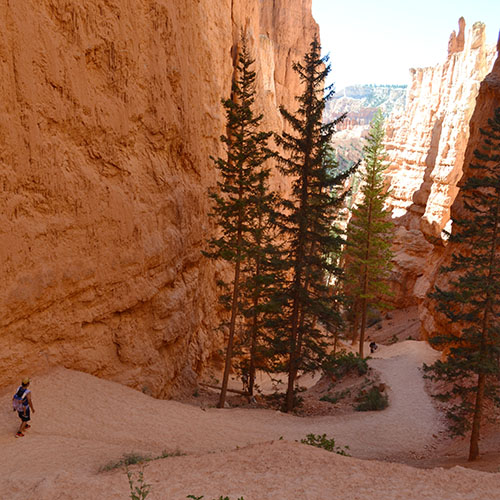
(19,399)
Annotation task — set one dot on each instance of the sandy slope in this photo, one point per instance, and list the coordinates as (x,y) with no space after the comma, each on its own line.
(83,422)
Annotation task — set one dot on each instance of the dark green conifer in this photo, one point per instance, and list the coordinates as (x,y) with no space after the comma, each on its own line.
(242,176)
(262,273)
(471,301)
(368,249)
(304,298)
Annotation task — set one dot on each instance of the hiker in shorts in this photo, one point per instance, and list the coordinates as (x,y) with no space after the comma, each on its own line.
(22,404)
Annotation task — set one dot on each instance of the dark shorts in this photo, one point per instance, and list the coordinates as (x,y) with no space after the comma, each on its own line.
(25,417)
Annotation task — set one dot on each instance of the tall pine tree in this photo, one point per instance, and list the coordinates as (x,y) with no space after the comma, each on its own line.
(472,299)
(242,178)
(368,248)
(262,272)
(306,225)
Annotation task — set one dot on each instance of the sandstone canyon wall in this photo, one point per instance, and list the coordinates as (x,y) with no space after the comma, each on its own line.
(426,147)
(109,112)
(487,101)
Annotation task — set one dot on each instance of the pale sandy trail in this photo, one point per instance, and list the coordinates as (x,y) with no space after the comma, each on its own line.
(406,429)
(411,423)
(83,422)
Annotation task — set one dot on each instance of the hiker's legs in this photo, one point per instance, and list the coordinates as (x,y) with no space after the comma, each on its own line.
(25,418)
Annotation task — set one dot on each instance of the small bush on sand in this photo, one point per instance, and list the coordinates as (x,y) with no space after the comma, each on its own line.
(336,397)
(321,441)
(344,363)
(135,458)
(126,460)
(373,400)
(138,490)
(167,454)
(393,340)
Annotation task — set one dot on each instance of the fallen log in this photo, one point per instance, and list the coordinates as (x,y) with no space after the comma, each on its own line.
(242,393)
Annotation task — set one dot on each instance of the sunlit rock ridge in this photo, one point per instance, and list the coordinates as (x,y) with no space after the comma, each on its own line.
(426,145)
(488,99)
(110,112)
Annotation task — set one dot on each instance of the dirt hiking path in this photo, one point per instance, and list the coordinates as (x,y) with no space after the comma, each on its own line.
(83,423)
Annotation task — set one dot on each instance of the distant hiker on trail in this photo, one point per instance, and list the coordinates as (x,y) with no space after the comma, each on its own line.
(21,402)
(373,347)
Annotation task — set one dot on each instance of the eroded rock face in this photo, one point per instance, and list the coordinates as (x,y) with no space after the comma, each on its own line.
(488,100)
(109,112)
(426,146)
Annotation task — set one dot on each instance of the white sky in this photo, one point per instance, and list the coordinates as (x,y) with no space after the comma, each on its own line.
(377,41)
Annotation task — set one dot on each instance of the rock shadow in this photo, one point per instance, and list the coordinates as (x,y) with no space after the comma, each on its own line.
(411,219)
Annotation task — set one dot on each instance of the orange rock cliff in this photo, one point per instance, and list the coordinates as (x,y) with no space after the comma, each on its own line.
(109,112)
(488,100)
(426,145)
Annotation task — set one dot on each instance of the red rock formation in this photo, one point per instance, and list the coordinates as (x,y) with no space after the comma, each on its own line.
(426,146)
(457,42)
(109,114)
(487,101)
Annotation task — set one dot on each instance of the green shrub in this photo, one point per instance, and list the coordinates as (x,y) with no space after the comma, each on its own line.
(140,490)
(135,458)
(126,460)
(321,441)
(373,400)
(336,397)
(329,399)
(344,363)
(167,454)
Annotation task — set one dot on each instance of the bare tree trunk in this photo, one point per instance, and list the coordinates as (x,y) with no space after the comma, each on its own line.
(365,277)
(299,265)
(363,328)
(295,335)
(234,307)
(481,381)
(253,348)
(298,345)
(298,323)
(236,391)
(478,410)
(292,367)
(355,322)
(255,318)
(232,328)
